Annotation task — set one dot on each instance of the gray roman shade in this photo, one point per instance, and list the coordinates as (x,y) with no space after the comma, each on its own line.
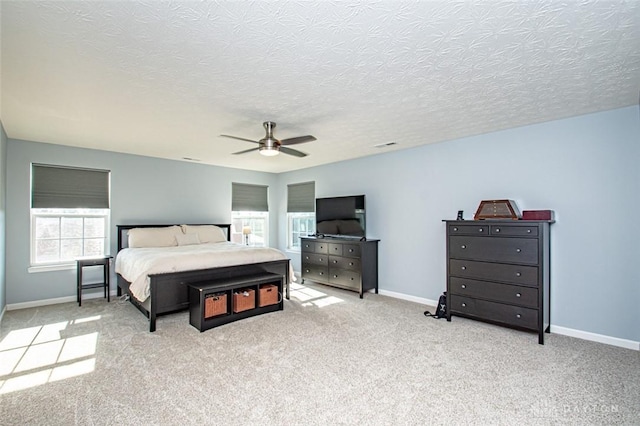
(249,198)
(59,187)
(301,197)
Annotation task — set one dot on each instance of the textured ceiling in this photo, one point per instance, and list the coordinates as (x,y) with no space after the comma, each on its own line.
(165,79)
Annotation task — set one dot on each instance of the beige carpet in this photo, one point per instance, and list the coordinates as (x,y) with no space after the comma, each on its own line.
(328,358)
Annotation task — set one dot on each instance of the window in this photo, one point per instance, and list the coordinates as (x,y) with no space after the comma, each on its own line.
(250,213)
(69,214)
(256,222)
(300,213)
(63,235)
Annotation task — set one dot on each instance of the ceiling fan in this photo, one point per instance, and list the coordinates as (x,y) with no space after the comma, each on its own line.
(271,146)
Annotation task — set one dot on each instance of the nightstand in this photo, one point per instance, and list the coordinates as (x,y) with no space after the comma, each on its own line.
(103,261)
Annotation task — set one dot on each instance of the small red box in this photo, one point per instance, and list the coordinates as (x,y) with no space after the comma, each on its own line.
(537,215)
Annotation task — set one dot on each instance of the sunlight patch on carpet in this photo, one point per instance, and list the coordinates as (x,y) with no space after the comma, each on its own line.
(34,356)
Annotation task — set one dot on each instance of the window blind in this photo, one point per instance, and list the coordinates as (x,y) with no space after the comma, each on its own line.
(58,187)
(249,198)
(301,197)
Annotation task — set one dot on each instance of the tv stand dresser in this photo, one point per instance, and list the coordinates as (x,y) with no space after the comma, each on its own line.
(498,272)
(350,264)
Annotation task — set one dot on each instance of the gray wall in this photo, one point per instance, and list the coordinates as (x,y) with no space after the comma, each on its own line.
(3,227)
(584,168)
(143,190)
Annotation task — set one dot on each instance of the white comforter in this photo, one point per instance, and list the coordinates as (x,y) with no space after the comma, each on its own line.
(136,264)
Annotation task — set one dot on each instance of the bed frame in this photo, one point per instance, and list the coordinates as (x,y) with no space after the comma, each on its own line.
(170,291)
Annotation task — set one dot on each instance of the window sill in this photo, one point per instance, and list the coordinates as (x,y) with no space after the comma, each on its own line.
(51,268)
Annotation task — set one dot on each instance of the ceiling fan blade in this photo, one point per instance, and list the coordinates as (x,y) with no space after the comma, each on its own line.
(246,150)
(299,139)
(293,152)
(242,139)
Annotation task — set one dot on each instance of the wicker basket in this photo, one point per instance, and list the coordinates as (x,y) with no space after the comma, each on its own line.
(215,304)
(268,295)
(244,300)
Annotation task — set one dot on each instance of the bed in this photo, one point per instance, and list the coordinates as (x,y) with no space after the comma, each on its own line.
(155,263)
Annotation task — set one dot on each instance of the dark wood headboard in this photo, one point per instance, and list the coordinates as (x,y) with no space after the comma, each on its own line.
(123,229)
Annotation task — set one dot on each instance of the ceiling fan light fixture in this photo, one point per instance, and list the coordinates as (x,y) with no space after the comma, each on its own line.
(269,151)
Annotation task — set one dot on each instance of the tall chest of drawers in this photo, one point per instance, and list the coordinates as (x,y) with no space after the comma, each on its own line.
(345,263)
(498,271)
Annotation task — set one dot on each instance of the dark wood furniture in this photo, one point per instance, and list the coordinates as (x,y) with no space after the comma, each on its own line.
(200,294)
(498,271)
(169,292)
(103,261)
(350,264)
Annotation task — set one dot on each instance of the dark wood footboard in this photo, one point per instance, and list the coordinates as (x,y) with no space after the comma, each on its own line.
(170,292)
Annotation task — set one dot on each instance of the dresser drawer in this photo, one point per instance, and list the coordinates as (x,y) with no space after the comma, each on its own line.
(516,295)
(308,246)
(351,250)
(321,247)
(514,250)
(510,230)
(335,249)
(315,247)
(493,311)
(516,274)
(468,229)
(345,278)
(315,259)
(315,272)
(344,263)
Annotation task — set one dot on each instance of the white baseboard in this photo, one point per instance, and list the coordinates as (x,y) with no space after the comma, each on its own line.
(403,296)
(2,313)
(55,301)
(593,337)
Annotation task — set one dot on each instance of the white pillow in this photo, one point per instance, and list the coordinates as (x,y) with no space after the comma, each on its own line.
(206,233)
(154,237)
(187,239)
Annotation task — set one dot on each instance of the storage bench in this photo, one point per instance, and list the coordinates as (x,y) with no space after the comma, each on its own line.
(221,301)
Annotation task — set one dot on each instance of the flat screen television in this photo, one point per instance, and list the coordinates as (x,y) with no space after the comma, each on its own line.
(341,216)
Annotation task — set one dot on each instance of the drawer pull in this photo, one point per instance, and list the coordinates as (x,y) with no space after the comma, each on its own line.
(518,274)
(464,305)
(455,229)
(335,261)
(480,230)
(335,276)
(518,316)
(307,270)
(518,250)
(350,263)
(463,286)
(463,246)
(463,268)
(321,273)
(518,295)
(528,231)
(350,250)
(306,258)
(320,259)
(351,278)
(497,230)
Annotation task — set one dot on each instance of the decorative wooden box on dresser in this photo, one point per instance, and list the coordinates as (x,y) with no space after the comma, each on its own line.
(350,264)
(498,271)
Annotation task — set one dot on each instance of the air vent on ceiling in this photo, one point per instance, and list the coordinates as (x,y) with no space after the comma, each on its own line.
(384,145)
